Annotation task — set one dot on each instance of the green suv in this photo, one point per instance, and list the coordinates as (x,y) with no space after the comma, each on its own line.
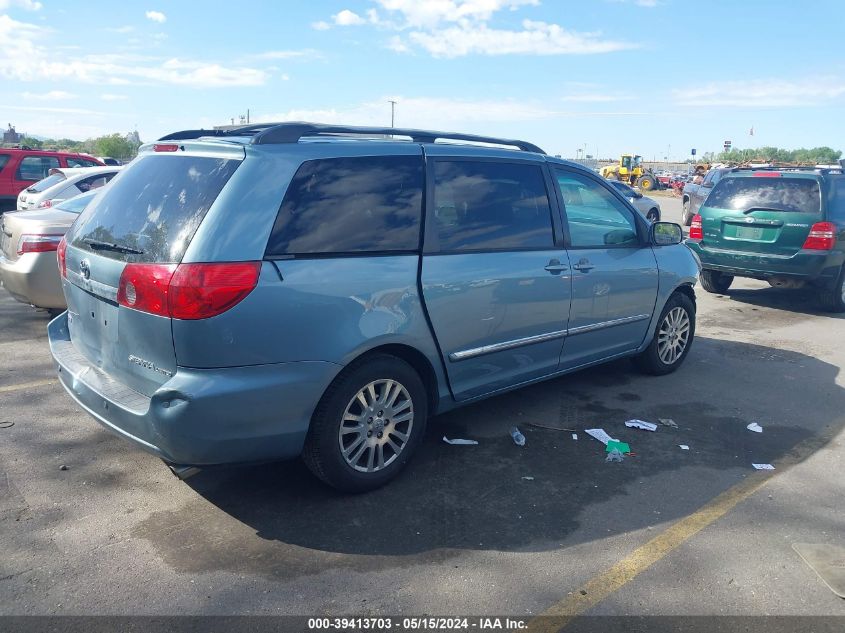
(782,225)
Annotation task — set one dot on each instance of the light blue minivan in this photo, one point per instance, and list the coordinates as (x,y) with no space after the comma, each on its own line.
(291,289)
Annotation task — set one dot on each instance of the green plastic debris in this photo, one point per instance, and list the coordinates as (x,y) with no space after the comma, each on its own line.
(622,447)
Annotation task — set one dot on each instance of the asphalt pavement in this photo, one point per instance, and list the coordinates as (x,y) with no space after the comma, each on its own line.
(550,528)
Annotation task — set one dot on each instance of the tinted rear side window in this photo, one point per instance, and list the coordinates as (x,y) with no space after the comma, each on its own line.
(351,205)
(490,206)
(836,208)
(36,167)
(155,206)
(4,158)
(799,195)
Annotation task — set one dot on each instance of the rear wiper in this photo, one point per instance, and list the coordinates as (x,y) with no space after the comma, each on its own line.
(97,245)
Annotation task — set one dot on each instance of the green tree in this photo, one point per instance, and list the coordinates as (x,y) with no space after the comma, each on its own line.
(34,143)
(114,145)
(816,155)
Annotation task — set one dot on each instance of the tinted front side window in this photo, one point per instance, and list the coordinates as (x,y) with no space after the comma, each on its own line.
(490,205)
(595,217)
(351,205)
(799,195)
(155,207)
(836,208)
(36,167)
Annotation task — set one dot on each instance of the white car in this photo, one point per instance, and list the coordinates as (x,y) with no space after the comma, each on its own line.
(64,183)
(649,207)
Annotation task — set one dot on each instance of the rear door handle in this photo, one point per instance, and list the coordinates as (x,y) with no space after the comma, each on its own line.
(584,266)
(555,267)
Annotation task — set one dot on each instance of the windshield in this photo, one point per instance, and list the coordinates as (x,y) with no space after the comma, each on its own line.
(154,206)
(797,195)
(76,204)
(49,181)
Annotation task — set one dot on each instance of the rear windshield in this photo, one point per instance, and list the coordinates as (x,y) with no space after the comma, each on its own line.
(797,195)
(154,206)
(76,204)
(49,181)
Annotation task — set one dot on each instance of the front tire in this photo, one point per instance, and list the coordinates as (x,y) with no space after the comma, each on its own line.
(653,215)
(367,425)
(672,338)
(833,300)
(715,282)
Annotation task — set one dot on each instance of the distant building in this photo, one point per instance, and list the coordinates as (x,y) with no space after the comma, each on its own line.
(10,137)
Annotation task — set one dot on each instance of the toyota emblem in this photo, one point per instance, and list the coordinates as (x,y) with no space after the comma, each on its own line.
(85,269)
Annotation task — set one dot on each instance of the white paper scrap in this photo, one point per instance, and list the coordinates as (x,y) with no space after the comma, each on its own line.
(755,427)
(600,435)
(639,424)
(459,442)
(574,436)
(667,422)
(684,447)
(763,466)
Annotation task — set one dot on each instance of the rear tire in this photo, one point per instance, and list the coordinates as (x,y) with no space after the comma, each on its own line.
(716,282)
(653,215)
(833,300)
(646,183)
(687,215)
(672,339)
(352,445)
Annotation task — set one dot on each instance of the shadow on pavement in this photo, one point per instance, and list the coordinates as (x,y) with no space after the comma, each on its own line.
(802,301)
(453,498)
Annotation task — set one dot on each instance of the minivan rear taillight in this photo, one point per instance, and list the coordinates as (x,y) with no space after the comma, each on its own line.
(822,237)
(186,291)
(38,243)
(695,230)
(61,256)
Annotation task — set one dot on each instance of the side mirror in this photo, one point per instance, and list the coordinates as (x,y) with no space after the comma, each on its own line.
(666,233)
(637,195)
(708,184)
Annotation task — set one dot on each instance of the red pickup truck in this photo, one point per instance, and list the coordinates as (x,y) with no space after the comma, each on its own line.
(22,168)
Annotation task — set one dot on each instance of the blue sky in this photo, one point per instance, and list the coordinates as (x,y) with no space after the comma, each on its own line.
(650,76)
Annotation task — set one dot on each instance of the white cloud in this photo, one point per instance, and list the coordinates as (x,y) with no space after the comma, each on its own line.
(113,97)
(595,98)
(762,93)
(29,5)
(455,28)
(52,95)
(156,16)
(348,18)
(25,56)
(298,54)
(121,29)
(536,38)
(321,26)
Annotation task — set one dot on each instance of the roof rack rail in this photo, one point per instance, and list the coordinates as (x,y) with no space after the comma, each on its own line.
(782,167)
(292,132)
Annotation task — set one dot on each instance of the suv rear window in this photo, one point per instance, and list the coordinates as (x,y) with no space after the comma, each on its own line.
(155,206)
(49,181)
(351,205)
(796,195)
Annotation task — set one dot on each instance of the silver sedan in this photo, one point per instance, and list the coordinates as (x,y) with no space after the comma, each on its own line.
(649,207)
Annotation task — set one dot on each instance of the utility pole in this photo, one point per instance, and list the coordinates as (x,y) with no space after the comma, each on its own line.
(392,111)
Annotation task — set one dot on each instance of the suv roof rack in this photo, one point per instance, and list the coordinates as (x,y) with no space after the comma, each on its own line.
(784,167)
(292,132)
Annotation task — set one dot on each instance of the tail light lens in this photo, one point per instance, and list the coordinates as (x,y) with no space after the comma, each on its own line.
(186,291)
(822,237)
(45,204)
(61,256)
(38,243)
(695,230)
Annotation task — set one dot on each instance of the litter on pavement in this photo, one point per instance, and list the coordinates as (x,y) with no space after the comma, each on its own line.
(667,422)
(614,445)
(684,447)
(614,456)
(763,466)
(518,437)
(599,434)
(639,424)
(459,442)
(574,436)
(550,428)
(755,427)
(528,478)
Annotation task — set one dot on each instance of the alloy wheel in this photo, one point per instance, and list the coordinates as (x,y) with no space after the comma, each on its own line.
(376,425)
(673,336)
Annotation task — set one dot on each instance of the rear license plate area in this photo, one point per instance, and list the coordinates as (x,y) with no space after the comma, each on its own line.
(749,233)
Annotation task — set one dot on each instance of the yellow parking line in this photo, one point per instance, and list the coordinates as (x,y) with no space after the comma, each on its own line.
(27,385)
(601,586)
